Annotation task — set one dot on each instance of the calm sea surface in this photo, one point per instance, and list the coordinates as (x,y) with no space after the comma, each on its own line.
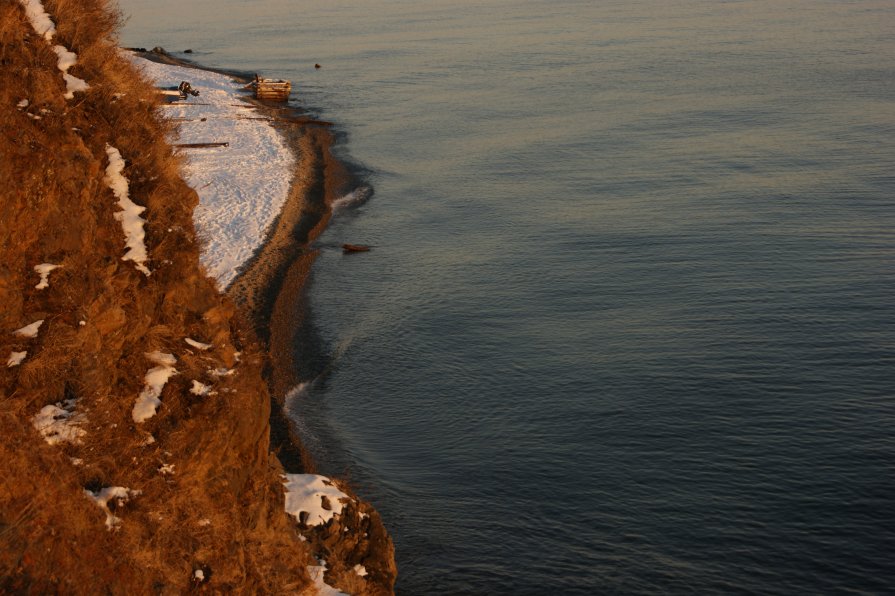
(628,325)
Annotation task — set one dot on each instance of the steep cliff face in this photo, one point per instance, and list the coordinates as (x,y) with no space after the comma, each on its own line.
(134,419)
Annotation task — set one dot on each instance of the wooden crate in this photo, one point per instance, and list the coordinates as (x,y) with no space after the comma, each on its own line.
(272,89)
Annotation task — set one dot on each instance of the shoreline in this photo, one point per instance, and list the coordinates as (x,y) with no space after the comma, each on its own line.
(270,293)
(269,287)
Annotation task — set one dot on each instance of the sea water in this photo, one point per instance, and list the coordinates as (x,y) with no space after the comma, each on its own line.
(627,322)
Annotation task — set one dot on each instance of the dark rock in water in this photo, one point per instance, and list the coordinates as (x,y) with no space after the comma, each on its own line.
(316,66)
(347,248)
(189,51)
(159,50)
(136,49)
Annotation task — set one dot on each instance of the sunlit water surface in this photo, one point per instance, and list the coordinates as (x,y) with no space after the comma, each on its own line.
(627,325)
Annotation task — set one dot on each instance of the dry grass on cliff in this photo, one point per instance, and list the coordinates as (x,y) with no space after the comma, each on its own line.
(221,509)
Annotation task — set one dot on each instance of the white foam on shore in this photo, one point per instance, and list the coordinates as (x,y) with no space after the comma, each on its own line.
(292,406)
(356,197)
(241,187)
(299,391)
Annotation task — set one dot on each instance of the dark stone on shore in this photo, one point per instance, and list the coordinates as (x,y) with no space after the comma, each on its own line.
(188,51)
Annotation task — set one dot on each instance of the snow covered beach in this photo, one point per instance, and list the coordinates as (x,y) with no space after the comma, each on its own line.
(242,186)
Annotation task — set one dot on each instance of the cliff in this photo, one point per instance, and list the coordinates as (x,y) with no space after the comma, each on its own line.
(134,417)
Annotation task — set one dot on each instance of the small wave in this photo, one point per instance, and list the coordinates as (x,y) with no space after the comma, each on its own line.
(308,438)
(299,391)
(355,198)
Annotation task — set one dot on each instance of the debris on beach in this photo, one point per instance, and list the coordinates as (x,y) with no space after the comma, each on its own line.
(271,89)
(201,145)
(182,92)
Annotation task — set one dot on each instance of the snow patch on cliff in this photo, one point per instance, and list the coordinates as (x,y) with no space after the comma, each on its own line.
(29,331)
(15,359)
(129,216)
(197,344)
(67,59)
(314,495)
(148,401)
(44,270)
(119,494)
(41,22)
(59,423)
(323,589)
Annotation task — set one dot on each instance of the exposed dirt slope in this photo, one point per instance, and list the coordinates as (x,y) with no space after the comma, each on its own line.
(209,513)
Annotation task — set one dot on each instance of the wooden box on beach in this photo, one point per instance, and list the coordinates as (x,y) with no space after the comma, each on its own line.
(272,89)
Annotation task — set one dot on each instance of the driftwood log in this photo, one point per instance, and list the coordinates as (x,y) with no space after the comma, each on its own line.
(200,145)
